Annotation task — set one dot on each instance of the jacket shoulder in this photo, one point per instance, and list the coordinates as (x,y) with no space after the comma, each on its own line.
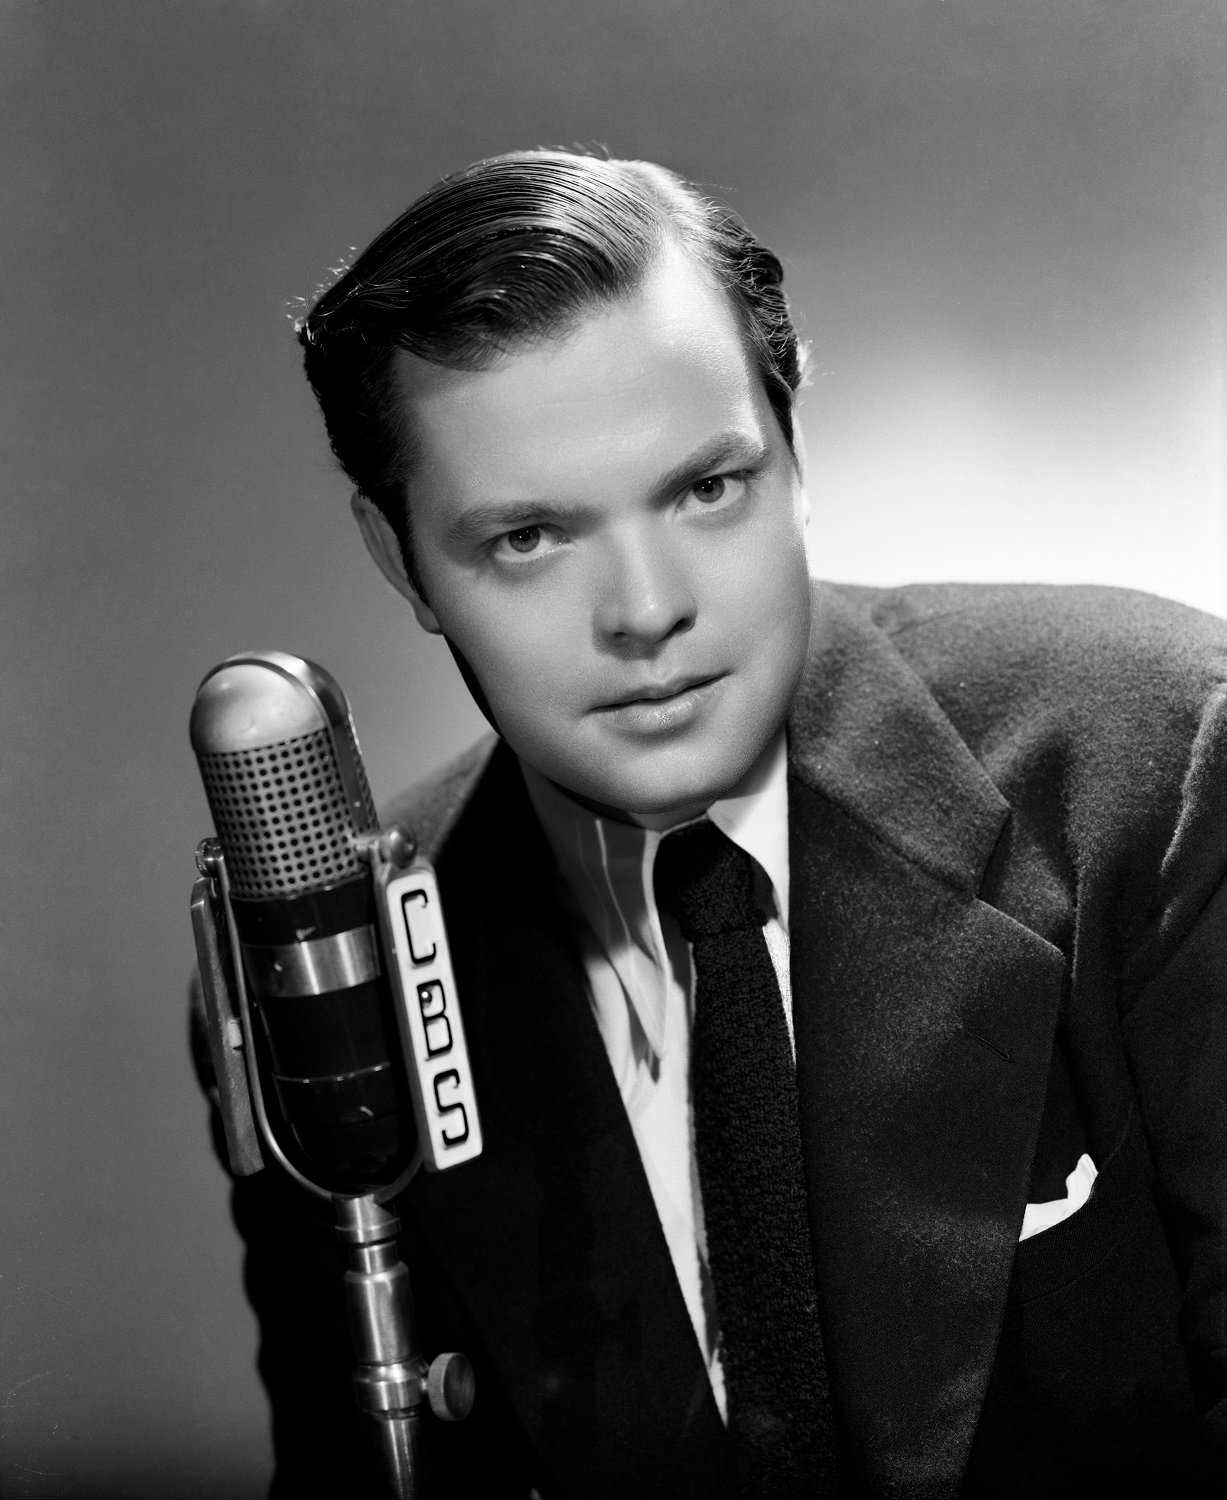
(1101,716)
(431,807)
(1093,656)
(1081,616)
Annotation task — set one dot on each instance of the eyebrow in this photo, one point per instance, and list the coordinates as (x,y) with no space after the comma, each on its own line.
(733,447)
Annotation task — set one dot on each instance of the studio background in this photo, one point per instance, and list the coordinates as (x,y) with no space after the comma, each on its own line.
(1003,227)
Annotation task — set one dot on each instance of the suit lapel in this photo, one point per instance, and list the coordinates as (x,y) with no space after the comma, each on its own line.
(924,1024)
(551,1237)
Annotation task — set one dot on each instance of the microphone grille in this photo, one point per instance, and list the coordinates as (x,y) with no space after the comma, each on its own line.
(282,815)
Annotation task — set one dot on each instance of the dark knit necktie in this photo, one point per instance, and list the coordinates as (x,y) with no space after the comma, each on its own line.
(748,1146)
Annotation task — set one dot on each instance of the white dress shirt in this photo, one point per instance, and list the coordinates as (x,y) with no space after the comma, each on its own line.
(641,988)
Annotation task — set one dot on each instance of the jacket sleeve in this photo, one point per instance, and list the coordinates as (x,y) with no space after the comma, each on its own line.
(1175,1034)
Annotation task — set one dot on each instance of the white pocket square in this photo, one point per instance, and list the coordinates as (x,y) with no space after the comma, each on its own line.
(1041,1216)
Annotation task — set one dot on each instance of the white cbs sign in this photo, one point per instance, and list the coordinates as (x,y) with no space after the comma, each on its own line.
(449,1131)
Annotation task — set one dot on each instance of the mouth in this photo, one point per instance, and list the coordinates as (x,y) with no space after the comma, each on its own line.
(660,692)
(655,710)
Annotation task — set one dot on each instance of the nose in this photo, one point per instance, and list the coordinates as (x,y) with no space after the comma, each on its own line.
(643,594)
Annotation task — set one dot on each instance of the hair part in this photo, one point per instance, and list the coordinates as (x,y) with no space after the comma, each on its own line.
(513,251)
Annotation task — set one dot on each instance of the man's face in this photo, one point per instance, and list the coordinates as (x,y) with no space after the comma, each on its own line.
(610,528)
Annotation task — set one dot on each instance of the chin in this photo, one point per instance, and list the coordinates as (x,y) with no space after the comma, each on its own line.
(677,795)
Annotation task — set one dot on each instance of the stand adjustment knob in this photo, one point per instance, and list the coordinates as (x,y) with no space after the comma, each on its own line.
(450,1387)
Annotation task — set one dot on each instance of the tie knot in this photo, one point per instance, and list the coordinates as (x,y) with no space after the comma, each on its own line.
(707,882)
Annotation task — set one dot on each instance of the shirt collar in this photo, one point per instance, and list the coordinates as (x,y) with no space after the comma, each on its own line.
(607,867)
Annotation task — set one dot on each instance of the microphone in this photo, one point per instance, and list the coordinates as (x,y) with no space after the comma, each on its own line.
(343,952)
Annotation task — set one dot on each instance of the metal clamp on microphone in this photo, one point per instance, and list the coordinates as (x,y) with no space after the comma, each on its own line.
(337,1043)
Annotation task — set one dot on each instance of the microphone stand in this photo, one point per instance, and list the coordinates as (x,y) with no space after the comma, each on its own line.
(392,1381)
(391,1378)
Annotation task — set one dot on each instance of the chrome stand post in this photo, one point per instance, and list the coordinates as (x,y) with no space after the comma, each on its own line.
(391,1379)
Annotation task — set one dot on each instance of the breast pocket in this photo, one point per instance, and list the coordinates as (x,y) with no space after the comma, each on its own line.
(1084,1240)
(1040,1217)
(1090,1367)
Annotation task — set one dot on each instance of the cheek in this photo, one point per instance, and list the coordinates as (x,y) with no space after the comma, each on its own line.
(523,661)
(764,589)
(775,606)
(795,593)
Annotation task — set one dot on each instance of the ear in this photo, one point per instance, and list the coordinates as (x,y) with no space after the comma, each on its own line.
(804,509)
(384,546)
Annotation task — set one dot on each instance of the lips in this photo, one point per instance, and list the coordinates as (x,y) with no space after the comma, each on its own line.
(662,710)
(656,692)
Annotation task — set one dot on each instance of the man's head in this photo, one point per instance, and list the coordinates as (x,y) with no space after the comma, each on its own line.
(563,387)
(506,253)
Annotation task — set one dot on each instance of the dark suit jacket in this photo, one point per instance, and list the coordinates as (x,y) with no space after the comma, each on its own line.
(1008,815)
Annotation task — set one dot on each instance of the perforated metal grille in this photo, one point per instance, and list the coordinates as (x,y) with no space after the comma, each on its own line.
(282,816)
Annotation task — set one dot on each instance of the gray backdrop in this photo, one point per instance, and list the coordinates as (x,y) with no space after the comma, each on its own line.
(1003,222)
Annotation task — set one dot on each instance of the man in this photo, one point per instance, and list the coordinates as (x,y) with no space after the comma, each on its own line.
(910,1183)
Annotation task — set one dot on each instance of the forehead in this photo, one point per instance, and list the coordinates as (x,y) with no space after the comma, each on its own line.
(634,385)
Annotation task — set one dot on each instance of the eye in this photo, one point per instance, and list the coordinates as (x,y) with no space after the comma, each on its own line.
(526,543)
(524,540)
(717,491)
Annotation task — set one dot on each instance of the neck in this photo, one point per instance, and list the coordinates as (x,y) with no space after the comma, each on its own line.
(659,822)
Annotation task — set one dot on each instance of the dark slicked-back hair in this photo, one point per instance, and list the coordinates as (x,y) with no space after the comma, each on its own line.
(509,252)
